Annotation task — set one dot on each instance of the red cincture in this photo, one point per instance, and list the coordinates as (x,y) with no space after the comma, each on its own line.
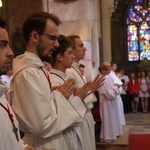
(58,76)
(48,78)
(78,73)
(15,130)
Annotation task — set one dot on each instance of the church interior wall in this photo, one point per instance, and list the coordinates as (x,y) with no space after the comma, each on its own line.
(84,22)
(15,12)
(81,17)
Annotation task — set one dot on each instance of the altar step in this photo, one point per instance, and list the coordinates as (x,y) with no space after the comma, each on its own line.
(111,147)
(122,143)
(119,144)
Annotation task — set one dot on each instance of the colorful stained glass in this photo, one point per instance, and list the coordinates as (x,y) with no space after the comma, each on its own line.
(138,30)
(133,53)
(144,41)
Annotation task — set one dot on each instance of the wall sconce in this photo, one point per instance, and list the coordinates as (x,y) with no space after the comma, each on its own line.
(1,4)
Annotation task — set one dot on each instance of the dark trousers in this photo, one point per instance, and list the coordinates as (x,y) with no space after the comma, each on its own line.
(126,103)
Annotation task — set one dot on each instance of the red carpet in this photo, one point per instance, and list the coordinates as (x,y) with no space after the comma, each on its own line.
(139,142)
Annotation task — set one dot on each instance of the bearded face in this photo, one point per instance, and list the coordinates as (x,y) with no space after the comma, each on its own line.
(42,51)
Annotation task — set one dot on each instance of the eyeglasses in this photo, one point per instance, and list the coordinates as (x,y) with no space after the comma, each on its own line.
(51,37)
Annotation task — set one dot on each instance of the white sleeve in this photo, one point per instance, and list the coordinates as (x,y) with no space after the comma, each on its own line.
(39,111)
(23,145)
(109,90)
(78,105)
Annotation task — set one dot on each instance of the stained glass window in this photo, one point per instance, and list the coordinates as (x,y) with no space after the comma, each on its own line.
(138,30)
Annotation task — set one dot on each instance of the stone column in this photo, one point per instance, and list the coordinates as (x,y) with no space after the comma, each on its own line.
(107,9)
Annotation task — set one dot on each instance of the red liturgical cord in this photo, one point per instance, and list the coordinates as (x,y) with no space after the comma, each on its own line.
(58,76)
(47,76)
(15,130)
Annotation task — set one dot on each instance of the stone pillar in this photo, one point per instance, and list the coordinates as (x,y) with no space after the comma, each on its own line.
(107,9)
(80,17)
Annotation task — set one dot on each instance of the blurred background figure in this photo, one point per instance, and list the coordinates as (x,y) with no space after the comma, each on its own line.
(148,83)
(143,92)
(118,102)
(7,76)
(124,94)
(82,71)
(134,92)
(110,126)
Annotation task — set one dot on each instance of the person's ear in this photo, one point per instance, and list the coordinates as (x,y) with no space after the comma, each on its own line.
(34,36)
(59,57)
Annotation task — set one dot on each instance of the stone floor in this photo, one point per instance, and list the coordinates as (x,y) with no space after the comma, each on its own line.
(135,123)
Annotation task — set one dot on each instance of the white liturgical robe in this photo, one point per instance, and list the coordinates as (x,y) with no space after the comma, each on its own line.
(119,104)
(70,135)
(109,126)
(8,140)
(86,128)
(43,114)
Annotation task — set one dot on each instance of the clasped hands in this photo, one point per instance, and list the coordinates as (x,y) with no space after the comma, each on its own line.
(68,88)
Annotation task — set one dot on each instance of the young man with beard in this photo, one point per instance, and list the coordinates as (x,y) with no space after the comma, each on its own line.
(9,131)
(86,129)
(43,112)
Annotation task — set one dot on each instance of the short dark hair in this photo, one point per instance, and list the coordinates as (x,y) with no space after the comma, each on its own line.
(2,23)
(81,66)
(102,67)
(112,63)
(37,22)
(64,44)
(72,38)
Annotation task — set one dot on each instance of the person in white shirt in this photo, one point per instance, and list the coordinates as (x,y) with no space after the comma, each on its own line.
(124,94)
(6,77)
(9,130)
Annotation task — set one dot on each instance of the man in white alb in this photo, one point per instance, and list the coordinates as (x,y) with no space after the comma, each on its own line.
(43,112)
(86,129)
